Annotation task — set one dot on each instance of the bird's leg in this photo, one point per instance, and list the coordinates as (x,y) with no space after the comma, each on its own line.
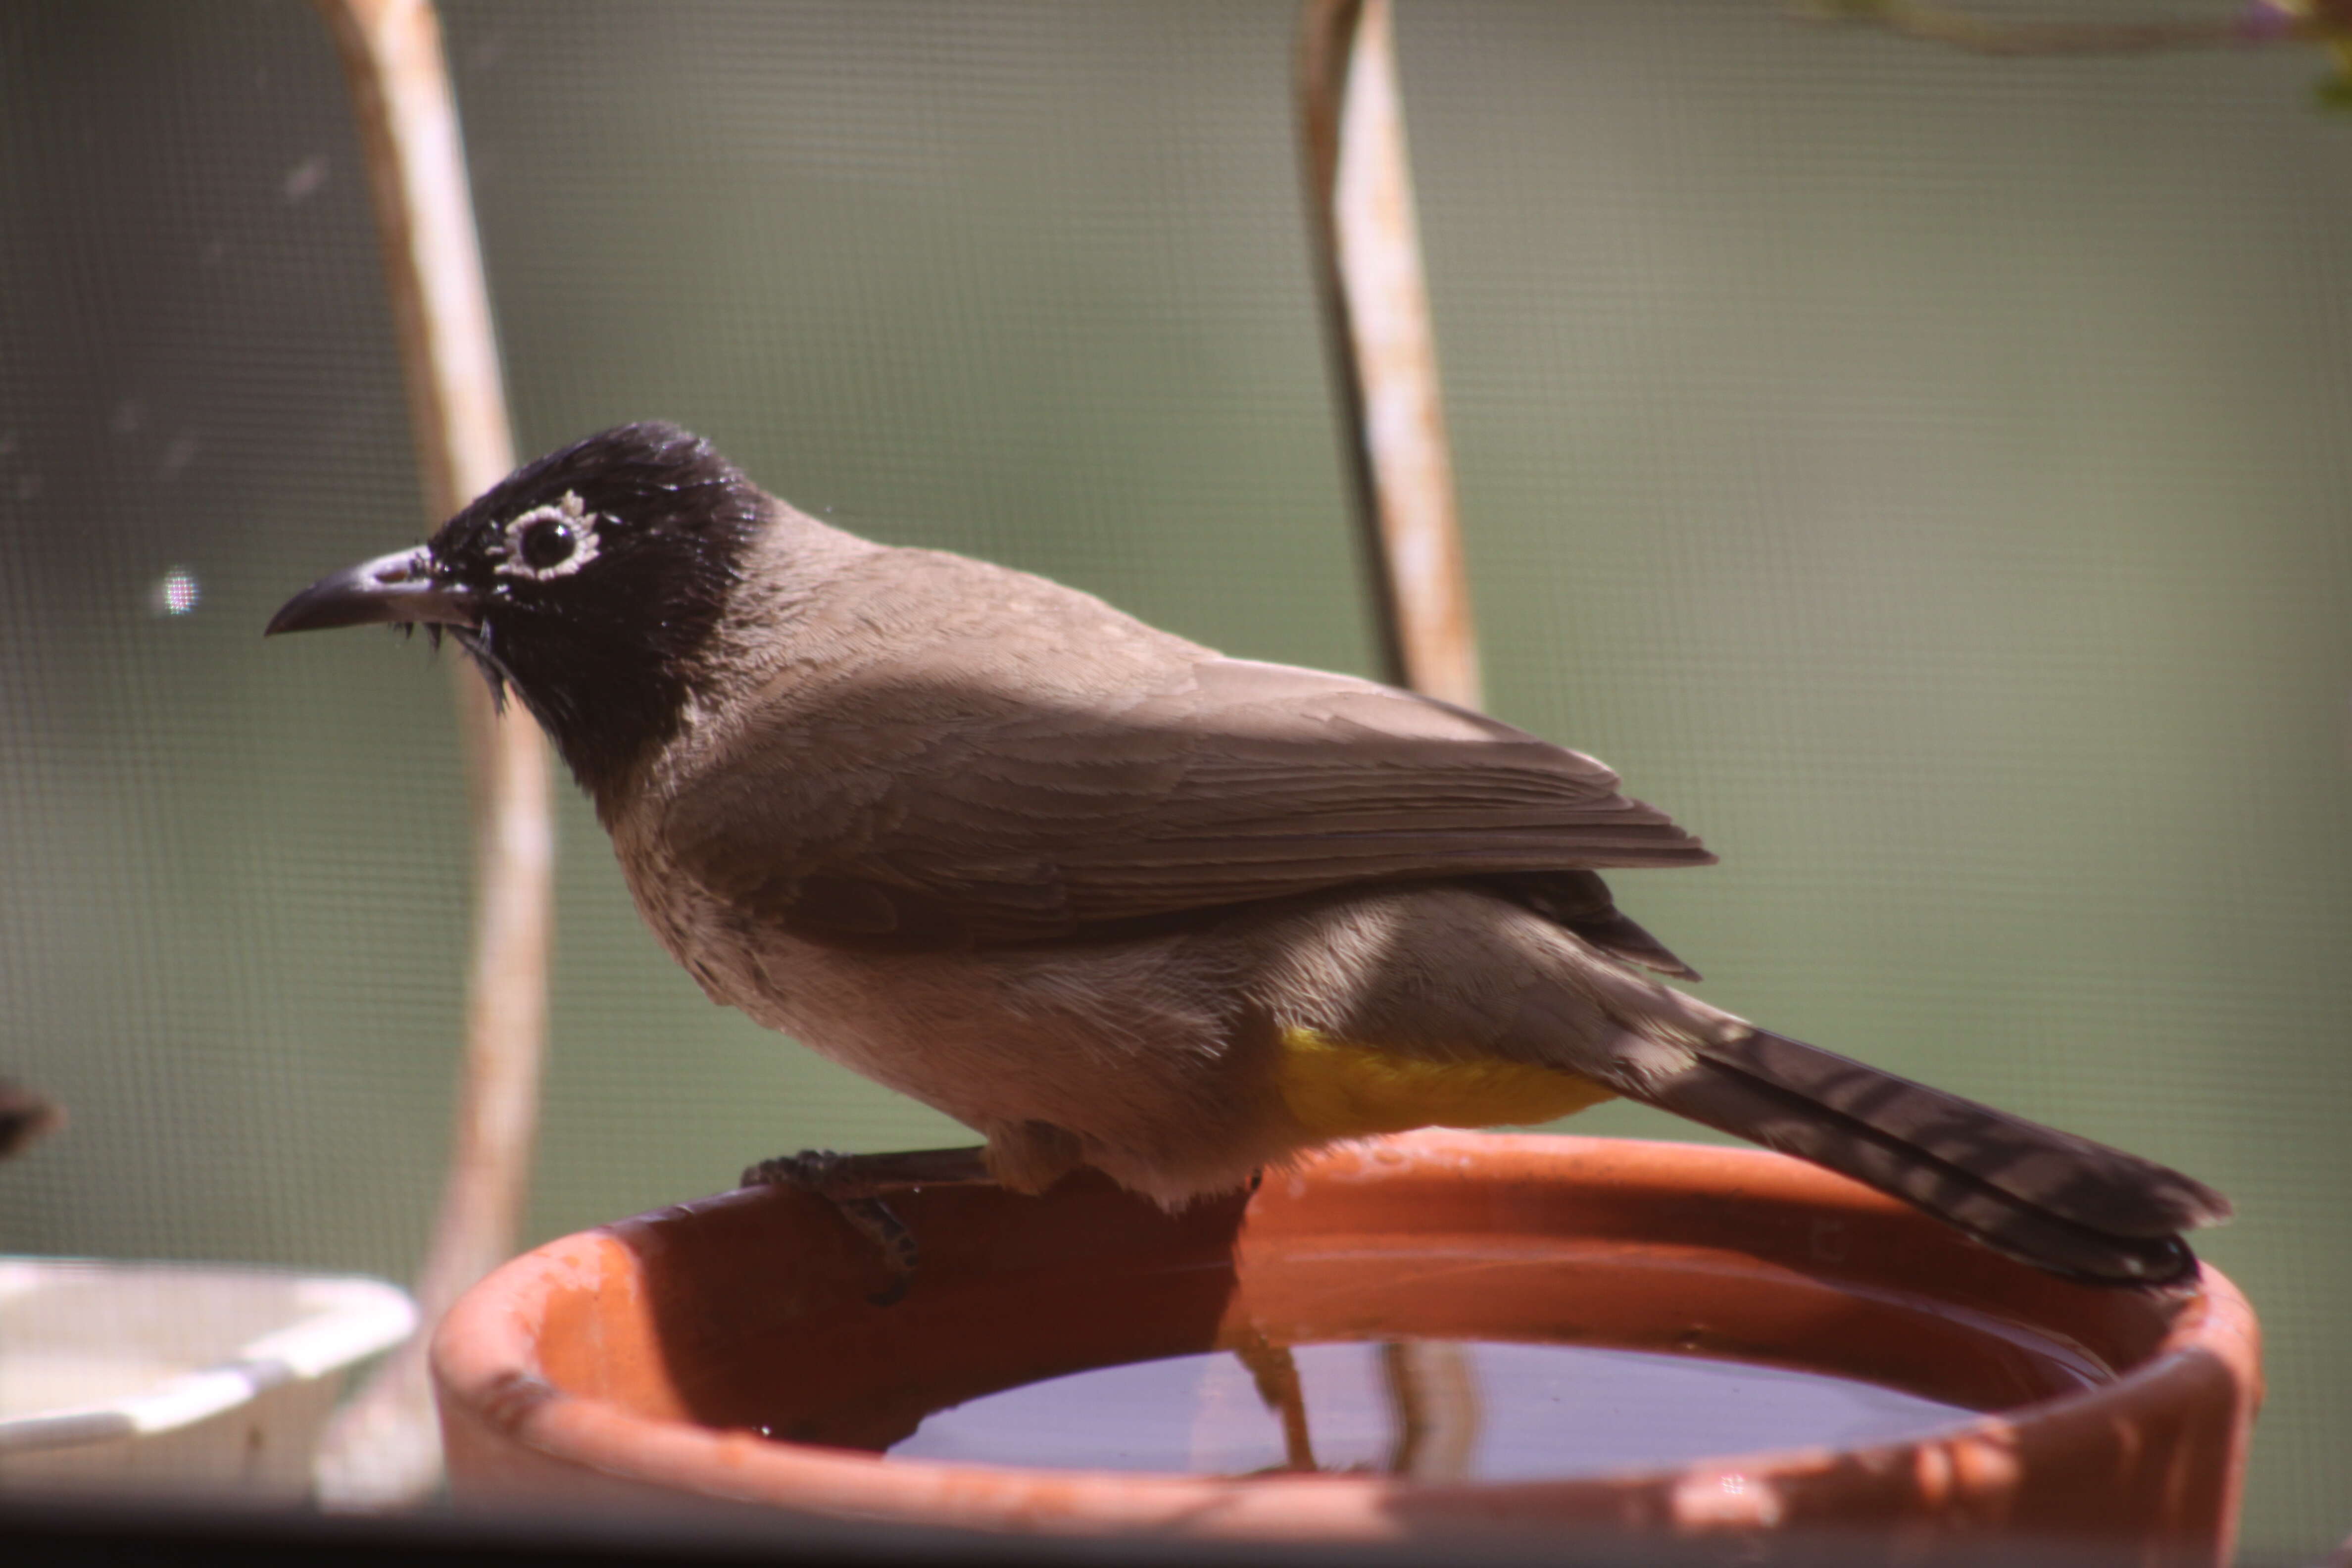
(1276,1371)
(856,1185)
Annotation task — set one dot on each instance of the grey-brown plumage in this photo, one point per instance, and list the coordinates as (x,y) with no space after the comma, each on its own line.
(1111,898)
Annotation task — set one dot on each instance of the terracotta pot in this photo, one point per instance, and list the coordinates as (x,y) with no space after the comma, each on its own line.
(651,1353)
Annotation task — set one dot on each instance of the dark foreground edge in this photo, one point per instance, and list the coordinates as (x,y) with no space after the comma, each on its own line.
(140,1534)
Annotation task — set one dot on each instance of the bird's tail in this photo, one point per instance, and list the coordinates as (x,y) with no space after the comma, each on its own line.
(2049,1198)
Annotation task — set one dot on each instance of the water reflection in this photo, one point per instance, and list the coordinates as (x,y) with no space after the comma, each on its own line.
(1447,1410)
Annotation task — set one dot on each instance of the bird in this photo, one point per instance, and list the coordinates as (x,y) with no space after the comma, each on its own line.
(27,1116)
(1113,899)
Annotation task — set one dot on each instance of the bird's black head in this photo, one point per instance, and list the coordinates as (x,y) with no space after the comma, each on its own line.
(588,581)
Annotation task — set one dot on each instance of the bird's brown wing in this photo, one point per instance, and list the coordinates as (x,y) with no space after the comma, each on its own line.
(953,813)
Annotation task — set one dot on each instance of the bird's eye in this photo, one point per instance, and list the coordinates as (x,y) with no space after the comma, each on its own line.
(548,542)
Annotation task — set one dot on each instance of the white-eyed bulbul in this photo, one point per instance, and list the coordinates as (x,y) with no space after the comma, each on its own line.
(1113,899)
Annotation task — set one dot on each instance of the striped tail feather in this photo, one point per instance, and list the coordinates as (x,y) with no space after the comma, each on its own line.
(2049,1198)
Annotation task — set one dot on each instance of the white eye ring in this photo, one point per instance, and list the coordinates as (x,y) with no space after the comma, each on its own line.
(573,513)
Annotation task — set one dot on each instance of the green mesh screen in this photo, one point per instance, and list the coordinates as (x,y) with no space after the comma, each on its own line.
(1926,476)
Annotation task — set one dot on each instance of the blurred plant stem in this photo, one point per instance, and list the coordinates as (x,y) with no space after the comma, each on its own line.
(2325,23)
(383,1450)
(1366,245)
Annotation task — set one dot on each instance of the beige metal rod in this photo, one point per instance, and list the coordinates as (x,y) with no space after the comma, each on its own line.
(1367,251)
(383,1450)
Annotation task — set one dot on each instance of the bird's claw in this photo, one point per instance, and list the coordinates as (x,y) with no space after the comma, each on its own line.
(856,1198)
(855,1184)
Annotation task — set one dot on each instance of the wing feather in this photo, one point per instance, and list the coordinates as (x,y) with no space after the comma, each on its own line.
(983,816)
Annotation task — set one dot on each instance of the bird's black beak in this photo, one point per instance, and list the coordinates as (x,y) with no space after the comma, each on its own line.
(399,588)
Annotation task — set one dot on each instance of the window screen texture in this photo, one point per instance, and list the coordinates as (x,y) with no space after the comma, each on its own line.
(1925,476)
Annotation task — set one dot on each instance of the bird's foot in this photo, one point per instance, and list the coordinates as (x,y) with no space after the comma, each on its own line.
(1276,1371)
(856,1186)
